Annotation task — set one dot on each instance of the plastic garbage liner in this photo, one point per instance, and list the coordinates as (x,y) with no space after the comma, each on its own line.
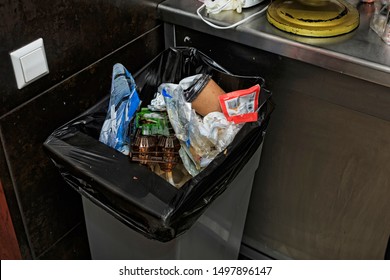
(129,191)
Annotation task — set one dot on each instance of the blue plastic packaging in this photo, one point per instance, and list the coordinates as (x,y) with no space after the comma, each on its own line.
(124,102)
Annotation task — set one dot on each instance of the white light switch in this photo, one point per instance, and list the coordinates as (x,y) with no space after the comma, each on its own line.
(29,63)
(33,64)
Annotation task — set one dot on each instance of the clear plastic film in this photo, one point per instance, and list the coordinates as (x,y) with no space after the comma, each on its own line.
(380,21)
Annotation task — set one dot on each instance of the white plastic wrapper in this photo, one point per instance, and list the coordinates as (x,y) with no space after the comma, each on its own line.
(219,130)
(158,103)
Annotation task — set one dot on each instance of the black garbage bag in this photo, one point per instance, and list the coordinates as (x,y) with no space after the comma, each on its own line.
(131,192)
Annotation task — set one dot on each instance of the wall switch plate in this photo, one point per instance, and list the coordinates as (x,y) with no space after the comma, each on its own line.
(29,63)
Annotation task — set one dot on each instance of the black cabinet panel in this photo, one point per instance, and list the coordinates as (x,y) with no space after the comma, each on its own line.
(49,210)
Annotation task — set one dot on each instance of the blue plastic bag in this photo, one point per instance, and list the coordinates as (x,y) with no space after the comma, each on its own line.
(124,102)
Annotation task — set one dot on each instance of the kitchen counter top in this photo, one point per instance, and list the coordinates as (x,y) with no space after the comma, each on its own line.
(361,53)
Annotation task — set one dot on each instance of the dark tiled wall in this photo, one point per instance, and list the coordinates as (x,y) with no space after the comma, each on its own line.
(83,39)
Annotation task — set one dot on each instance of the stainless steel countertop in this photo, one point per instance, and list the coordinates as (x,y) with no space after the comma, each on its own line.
(360,54)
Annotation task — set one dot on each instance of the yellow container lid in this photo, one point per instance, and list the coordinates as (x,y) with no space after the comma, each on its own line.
(315,18)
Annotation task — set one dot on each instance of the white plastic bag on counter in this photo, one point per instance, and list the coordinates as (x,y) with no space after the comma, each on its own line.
(216,6)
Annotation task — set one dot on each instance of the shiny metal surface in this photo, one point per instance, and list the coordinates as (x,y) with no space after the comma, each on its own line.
(360,54)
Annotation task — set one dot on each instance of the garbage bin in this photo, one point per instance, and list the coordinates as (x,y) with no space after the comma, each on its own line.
(132,213)
(216,235)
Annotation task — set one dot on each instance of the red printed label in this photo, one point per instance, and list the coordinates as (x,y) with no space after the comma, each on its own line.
(241,105)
